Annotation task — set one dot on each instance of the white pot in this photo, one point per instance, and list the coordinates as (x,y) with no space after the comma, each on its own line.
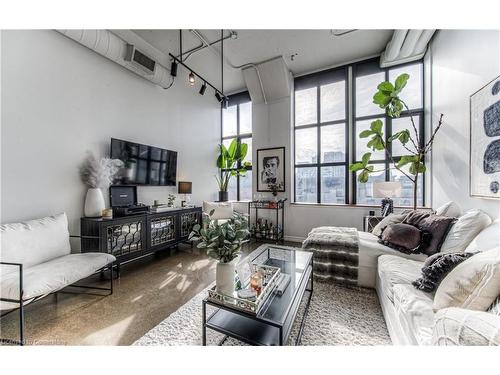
(94,203)
(224,278)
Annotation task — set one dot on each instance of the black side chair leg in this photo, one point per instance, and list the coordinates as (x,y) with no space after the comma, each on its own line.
(21,323)
(112,277)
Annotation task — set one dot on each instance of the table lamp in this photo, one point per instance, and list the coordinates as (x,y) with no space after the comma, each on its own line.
(387,190)
(185,187)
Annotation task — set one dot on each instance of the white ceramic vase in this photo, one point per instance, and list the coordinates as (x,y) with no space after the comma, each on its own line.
(224,278)
(94,203)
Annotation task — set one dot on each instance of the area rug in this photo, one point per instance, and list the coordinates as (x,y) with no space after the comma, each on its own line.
(338,315)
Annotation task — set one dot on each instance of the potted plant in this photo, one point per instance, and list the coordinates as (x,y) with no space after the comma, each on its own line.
(222,240)
(97,174)
(388,98)
(230,163)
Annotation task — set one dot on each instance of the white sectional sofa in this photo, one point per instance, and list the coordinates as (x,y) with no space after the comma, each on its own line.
(408,312)
(36,260)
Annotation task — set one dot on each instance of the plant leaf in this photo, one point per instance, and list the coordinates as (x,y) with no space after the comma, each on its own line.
(401,82)
(386,87)
(376,126)
(356,167)
(365,133)
(366,158)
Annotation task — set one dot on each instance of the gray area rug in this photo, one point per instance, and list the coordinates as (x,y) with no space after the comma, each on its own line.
(338,315)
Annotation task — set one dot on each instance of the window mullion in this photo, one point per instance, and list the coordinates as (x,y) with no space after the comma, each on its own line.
(318,154)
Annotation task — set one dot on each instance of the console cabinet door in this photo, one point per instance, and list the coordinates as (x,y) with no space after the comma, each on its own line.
(187,220)
(125,238)
(162,230)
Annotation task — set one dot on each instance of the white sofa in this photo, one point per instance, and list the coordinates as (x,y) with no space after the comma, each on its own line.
(408,312)
(36,260)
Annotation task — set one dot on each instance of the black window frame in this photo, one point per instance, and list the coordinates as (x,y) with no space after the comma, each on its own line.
(237,100)
(321,78)
(317,80)
(417,112)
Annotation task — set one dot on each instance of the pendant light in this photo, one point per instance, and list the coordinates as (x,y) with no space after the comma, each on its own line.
(191,79)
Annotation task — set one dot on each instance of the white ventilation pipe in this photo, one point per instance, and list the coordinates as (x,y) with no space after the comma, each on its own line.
(109,45)
(405,46)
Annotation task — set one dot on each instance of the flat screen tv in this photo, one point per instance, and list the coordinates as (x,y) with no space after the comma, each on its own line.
(144,165)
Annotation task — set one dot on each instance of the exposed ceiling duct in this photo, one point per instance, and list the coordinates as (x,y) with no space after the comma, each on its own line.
(114,48)
(405,46)
(268,81)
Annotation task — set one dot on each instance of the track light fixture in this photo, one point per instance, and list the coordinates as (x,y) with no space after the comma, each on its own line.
(218,96)
(191,79)
(203,88)
(225,102)
(173,69)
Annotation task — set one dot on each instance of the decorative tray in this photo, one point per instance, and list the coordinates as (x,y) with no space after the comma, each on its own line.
(271,276)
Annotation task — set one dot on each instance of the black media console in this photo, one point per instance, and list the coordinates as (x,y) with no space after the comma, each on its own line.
(132,237)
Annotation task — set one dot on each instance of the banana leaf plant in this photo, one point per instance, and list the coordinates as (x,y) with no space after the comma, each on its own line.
(230,163)
(388,98)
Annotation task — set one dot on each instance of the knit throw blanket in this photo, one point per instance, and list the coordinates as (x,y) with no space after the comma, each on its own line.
(335,252)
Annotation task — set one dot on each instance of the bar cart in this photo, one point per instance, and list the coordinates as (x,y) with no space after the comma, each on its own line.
(271,227)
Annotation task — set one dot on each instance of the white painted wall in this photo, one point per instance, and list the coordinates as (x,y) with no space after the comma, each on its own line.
(60,99)
(462,61)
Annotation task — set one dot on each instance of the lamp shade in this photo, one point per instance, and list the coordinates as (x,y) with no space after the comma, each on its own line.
(387,189)
(185,187)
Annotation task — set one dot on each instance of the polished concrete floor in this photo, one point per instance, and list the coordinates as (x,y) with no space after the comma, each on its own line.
(147,292)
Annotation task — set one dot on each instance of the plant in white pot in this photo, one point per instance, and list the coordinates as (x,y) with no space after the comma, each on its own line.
(97,174)
(223,240)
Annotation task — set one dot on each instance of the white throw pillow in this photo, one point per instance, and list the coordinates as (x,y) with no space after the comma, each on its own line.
(473,284)
(223,210)
(35,241)
(487,239)
(450,209)
(464,230)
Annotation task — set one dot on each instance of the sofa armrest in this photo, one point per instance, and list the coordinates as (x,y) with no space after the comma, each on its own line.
(20,266)
(456,326)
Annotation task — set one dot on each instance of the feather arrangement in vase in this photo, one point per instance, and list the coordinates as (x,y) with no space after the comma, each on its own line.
(97,174)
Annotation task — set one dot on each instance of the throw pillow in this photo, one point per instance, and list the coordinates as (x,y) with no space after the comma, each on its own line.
(436,267)
(464,230)
(438,227)
(487,239)
(389,219)
(403,237)
(415,217)
(473,284)
(450,209)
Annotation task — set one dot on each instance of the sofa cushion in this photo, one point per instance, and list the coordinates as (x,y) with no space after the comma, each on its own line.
(464,230)
(53,275)
(393,270)
(487,239)
(402,237)
(369,251)
(35,241)
(389,219)
(436,268)
(473,284)
(455,326)
(414,310)
(450,209)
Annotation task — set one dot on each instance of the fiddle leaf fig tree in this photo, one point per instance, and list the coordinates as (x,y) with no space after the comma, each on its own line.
(412,164)
(230,162)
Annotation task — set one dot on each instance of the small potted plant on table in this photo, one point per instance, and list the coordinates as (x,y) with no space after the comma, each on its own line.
(222,239)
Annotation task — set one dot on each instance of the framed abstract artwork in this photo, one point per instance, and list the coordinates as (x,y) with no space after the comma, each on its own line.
(485,141)
(271,169)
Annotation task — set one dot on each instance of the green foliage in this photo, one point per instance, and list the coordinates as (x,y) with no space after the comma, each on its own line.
(387,96)
(221,241)
(230,162)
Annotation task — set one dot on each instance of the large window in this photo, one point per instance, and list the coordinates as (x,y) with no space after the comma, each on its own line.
(237,123)
(324,146)
(321,149)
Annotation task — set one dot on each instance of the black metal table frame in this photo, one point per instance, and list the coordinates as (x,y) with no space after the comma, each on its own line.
(282,340)
(280,206)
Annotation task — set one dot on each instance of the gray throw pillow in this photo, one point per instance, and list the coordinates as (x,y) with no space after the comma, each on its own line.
(389,219)
(436,267)
(438,227)
(403,237)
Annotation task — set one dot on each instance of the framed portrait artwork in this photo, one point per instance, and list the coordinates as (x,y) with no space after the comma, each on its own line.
(485,141)
(271,168)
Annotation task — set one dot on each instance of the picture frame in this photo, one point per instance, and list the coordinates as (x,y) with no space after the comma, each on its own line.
(270,168)
(484,151)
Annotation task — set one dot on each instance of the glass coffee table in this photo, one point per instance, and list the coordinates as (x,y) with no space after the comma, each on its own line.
(272,325)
